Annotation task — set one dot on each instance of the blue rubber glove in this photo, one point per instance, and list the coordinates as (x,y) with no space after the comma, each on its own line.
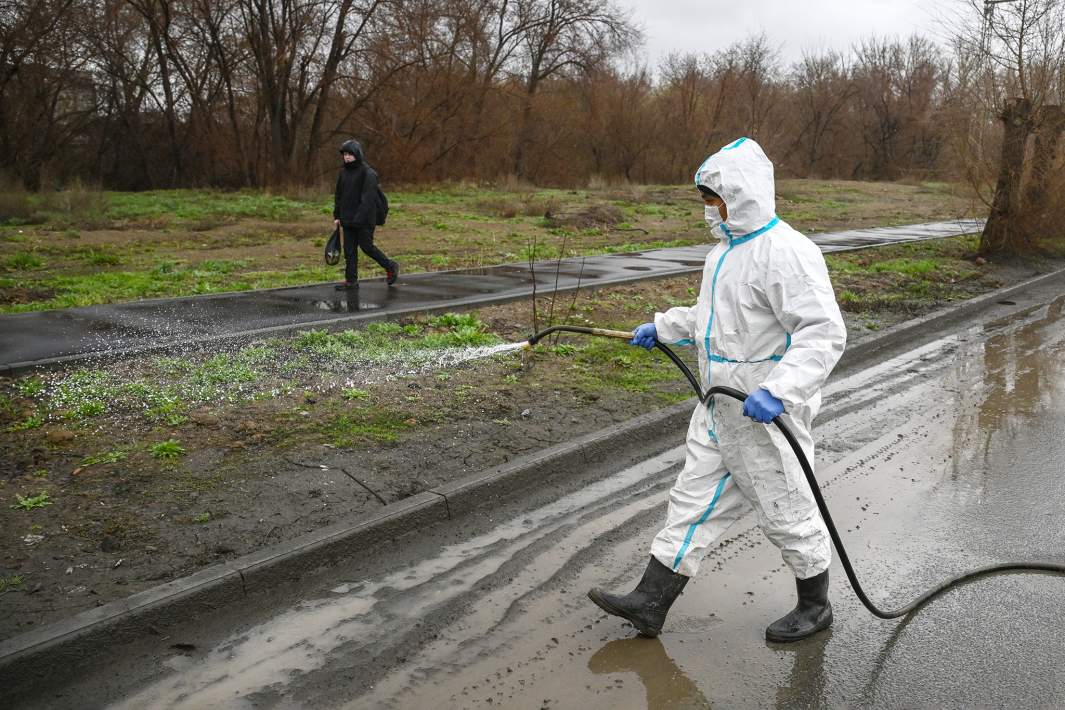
(645,336)
(762,406)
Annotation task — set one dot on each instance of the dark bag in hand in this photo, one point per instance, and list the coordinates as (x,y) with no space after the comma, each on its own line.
(332,248)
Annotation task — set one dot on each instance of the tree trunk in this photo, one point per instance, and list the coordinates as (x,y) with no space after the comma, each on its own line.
(525,133)
(1002,233)
(1039,212)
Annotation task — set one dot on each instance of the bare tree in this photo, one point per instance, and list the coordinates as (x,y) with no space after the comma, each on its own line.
(1019,48)
(823,90)
(559,36)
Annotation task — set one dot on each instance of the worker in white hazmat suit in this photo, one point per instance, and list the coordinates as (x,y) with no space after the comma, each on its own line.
(766,322)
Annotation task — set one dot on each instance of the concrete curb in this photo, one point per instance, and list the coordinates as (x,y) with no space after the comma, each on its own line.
(38,655)
(60,648)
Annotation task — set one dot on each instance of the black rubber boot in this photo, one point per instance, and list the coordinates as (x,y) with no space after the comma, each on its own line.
(645,607)
(813,613)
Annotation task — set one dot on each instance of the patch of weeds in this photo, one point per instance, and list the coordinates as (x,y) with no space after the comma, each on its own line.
(609,364)
(29,503)
(22,261)
(30,386)
(380,342)
(256,354)
(31,422)
(311,339)
(907,267)
(169,449)
(354,393)
(112,456)
(849,300)
(222,370)
(221,266)
(101,257)
(564,349)
(347,430)
(11,584)
(384,329)
(461,337)
(84,410)
(537,252)
(172,365)
(204,517)
(454,320)
(160,404)
(83,393)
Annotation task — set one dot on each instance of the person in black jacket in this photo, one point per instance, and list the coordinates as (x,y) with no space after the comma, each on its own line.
(355,209)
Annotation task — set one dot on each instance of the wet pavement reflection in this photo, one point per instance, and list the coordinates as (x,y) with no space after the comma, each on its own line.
(666,685)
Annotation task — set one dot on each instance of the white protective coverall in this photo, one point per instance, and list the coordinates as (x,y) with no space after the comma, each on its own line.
(766,317)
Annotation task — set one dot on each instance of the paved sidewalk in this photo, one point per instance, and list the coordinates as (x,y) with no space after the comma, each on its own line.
(45,338)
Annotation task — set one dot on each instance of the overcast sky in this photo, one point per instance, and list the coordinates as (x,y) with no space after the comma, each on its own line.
(793,26)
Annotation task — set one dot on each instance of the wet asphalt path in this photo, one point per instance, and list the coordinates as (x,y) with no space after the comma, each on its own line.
(939,459)
(75,334)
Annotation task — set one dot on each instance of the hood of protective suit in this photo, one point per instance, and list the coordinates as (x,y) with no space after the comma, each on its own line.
(743,176)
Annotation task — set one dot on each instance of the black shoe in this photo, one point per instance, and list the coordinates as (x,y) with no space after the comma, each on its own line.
(645,607)
(392,274)
(813,613)
(347,285)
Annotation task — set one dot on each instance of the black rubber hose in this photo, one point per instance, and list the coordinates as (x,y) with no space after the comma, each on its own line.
(1034,566)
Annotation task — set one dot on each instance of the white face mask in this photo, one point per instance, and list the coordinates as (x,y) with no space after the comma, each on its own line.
(712,215)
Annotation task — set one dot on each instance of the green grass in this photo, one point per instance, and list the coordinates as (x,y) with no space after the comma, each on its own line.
(31,422)
(165,279)
(105,457)
(376,425)
(31,502)
(906,277)
(601,364)
(101,257)
(390,341)
(197,205)
(11,584)
(202,518)
(22,261)
(169,449)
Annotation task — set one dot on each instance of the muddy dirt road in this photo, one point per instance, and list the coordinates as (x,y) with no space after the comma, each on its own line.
(940,459)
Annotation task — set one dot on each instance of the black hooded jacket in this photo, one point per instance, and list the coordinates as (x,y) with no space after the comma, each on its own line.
(355,202)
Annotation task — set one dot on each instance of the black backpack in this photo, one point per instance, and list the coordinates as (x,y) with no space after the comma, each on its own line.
(382,207)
